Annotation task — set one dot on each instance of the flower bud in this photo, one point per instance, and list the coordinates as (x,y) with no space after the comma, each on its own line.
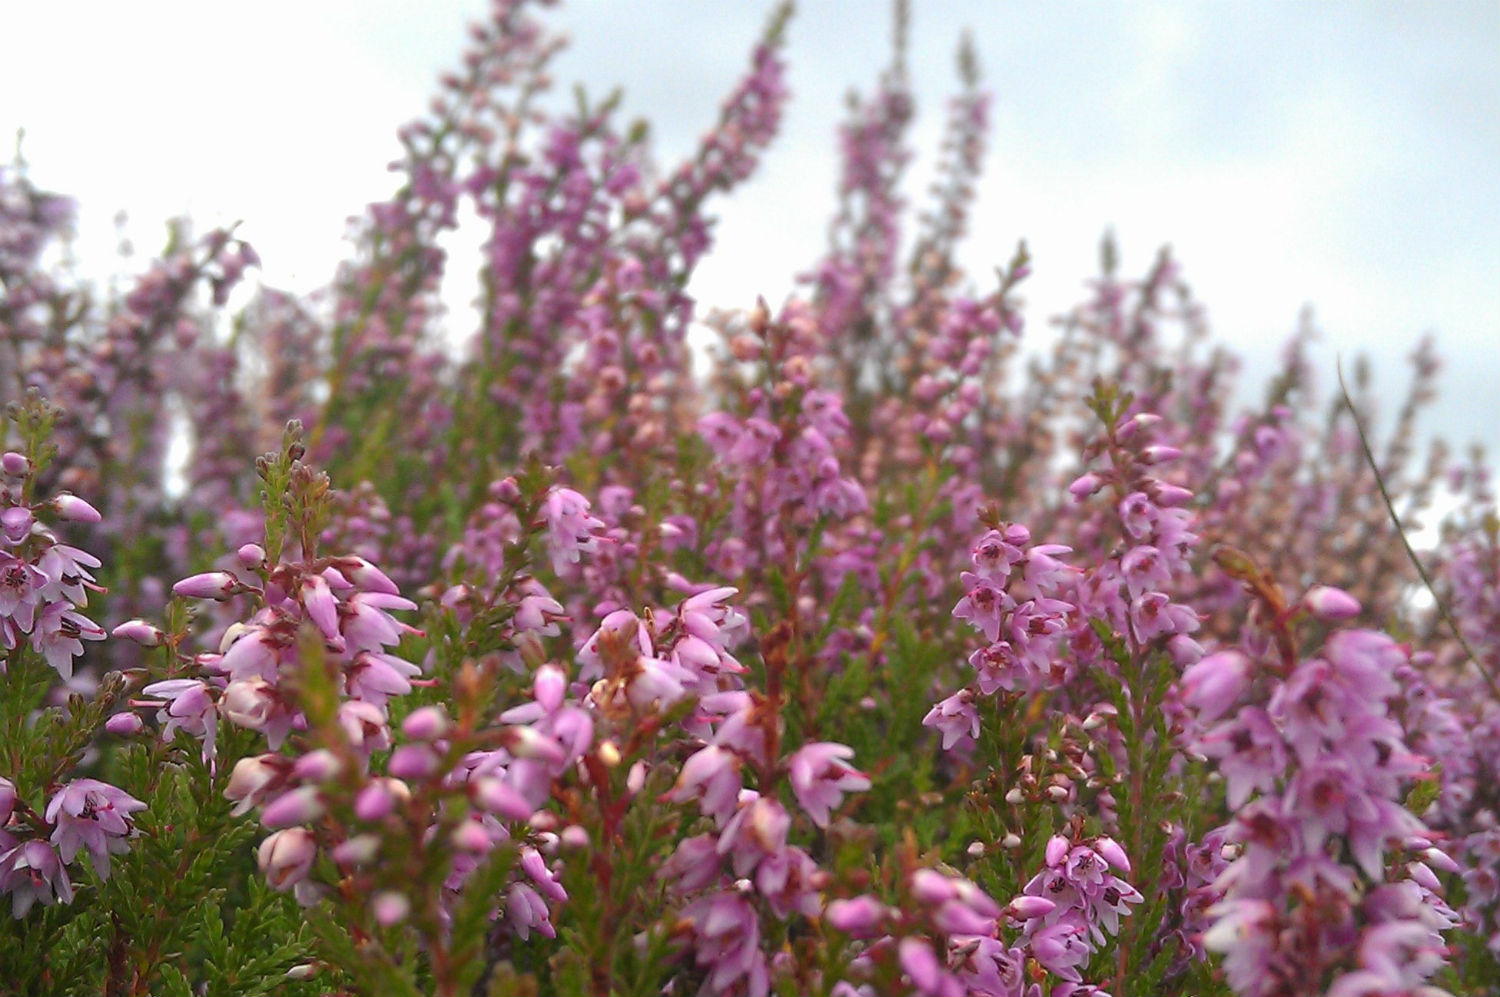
(75,509)
(286,857)
(932,887)
(470,836)
(1024,908)
(317,766)
(499,798)
(14,464)
(390,907)
(251,555)
(412,761)
(140,632)
(425,724)
(356,851)
(1328,603)
(15,523)
(248,703)
(1085,485)
(122,725)
(1112,853)
(860,917)
(373,802)
(217,585)
(299,806)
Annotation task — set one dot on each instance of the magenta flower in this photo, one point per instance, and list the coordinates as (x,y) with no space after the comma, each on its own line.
(59,636)
(286,857)
(20,591)
(571,530)
(820,778)
(31,872)
(218,585)
(190,706)
(87,813)
(712,777)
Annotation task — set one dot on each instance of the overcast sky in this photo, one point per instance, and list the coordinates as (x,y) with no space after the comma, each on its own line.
(1338,154)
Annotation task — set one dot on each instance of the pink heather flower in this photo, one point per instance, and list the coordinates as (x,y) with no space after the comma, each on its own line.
(501,799)
(365,726)
(1328,603)
(73,508)
(860,917)
(1024,908)
(250,703)
(549,687)
(367,626)
(1250,752)
(694,866)
(299,806)
(14,464)
(59,636)
(20,591)
(376,676)
(1112,853)
(956,717)
(251,556)
(1215,683)
(218,585)
(140,632)
(87,813)
(757,829)
(190,706)
(1085,485)
(67,576)
(374,802)
(390,907)
(286,857)
(413,761)
(712,777)
(983,606)
(366,576)
(1061,948)
(728,944)
(31,871)
(526,910)
(820,778)
(251,655)
(926,971)
(8,797)
(571,530)
(123,725)
(15,524)
(425,724)
(1245,931)
(323,608)
(255,779)
(318,765)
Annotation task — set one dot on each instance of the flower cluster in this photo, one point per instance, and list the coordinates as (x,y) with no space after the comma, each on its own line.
(1332,888)
(43,582)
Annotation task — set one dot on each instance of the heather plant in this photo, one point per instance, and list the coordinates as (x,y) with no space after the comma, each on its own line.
(889,656)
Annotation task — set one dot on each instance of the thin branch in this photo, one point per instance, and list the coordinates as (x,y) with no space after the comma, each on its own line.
(1390,507)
